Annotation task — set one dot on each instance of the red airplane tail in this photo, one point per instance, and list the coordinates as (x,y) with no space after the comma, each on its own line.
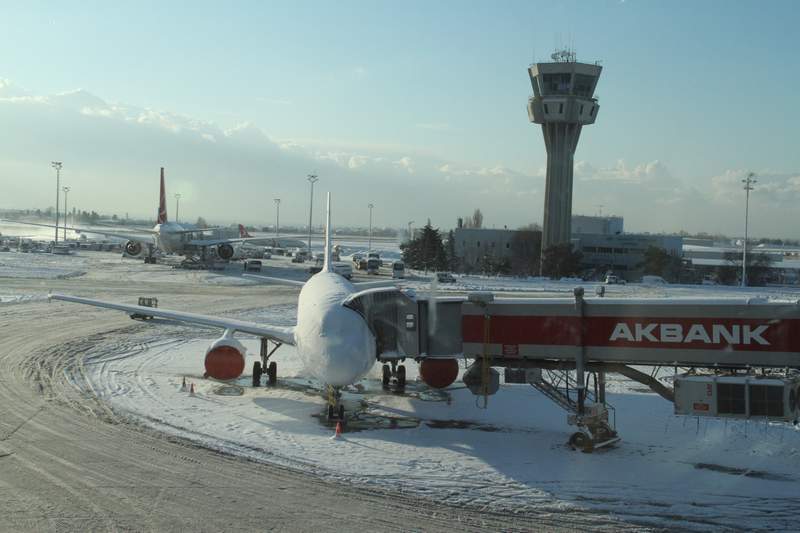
(162,202)
(243,233)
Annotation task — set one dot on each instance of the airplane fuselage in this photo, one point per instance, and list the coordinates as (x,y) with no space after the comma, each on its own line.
(333,341)
(168,237)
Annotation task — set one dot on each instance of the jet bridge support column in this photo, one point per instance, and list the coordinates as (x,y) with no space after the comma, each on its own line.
(580,356)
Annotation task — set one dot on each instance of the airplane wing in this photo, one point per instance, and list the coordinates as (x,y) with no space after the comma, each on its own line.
(213,242)
(277,333)
(146,236)
(281,281)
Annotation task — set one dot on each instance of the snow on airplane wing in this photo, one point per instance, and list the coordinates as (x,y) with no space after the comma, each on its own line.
(278,333)
(146,236)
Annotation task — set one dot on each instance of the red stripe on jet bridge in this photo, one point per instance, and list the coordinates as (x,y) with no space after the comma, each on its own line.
(627,332)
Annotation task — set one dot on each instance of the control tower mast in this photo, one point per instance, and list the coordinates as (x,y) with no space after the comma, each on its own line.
(562,103)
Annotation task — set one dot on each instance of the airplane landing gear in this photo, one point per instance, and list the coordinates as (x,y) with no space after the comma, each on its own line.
(394,374)
(149,259)
(265,366)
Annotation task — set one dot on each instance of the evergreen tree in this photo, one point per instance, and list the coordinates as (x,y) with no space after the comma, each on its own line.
(425,252)
(561,260)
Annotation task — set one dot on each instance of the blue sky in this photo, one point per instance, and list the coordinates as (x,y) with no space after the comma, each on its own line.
(703,89)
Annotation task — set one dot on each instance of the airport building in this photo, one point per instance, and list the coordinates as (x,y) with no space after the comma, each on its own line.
(600,239)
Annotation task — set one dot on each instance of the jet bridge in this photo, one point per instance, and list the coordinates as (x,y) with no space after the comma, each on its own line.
(565,346)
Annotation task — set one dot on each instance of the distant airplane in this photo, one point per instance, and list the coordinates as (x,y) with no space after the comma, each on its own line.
(333,340)
(169,237)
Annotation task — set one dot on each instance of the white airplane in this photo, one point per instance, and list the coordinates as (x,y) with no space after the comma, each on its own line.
(334,341)
(169,237)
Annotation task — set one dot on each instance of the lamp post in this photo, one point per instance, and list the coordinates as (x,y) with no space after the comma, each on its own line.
(312,179)
(66,211)
(177,206)
(749,181)
(370,227)
(57,165)
(409,230)
(277,220)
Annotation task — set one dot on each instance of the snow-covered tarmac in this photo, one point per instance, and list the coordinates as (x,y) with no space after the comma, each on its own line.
(668,471)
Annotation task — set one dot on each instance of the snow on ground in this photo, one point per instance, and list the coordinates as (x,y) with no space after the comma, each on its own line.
(667,471)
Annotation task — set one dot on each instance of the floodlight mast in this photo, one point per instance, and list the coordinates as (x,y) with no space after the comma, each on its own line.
(277,220)
(749,181)
(57,165)
(312,179)
(66,211)
(177,206)
(370,226)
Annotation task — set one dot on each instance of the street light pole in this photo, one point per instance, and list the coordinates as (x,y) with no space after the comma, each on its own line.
(57,165)
(409,230)
(749,181)
(277,220)
(312,179)
(66,211)
(177,206)
(370,226)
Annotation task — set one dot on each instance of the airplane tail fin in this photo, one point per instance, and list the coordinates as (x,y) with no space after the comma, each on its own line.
(162,202)
(243,234)
(328,267)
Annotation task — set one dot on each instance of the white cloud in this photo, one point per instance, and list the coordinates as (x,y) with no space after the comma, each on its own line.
(622,171)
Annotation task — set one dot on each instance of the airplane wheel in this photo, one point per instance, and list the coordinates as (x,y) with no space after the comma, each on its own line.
(257,374)
(401,376)
(387,376)
(272,373)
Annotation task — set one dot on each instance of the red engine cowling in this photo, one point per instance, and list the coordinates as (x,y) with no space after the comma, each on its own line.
(133,248)
(225,359)
(438,373)
(225,251)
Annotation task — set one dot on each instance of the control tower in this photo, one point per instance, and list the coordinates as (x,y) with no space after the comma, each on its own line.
(562,103)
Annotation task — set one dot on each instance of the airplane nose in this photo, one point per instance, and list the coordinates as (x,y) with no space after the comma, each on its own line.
(348,349)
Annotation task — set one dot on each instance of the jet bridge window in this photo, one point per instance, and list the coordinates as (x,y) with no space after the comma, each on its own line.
(766,400)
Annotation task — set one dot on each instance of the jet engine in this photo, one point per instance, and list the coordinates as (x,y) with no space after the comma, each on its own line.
(225,359)
(133,248)
(225,251)
(438,373)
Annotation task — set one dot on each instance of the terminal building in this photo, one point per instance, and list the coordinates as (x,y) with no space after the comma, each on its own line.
(601,240)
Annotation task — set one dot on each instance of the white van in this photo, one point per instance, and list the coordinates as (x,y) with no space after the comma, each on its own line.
(398,270)
(343,269)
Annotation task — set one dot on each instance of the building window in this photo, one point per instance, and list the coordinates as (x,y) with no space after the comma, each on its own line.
(479,244)
(581,109)
(546,110)
(493,245)
(508,245)
(561,108)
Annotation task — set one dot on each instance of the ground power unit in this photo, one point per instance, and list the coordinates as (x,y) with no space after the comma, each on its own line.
(749,396)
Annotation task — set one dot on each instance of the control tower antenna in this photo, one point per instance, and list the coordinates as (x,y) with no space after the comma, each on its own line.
(563,102)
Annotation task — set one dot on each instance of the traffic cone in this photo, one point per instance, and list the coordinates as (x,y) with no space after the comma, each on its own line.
(338,433)
(183,385)
(191,390)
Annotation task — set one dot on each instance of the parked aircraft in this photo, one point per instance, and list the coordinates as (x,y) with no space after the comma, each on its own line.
(169,237)
(334,340)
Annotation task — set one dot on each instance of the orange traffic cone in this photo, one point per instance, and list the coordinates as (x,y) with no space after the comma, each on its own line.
(183,385)
(191,390)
